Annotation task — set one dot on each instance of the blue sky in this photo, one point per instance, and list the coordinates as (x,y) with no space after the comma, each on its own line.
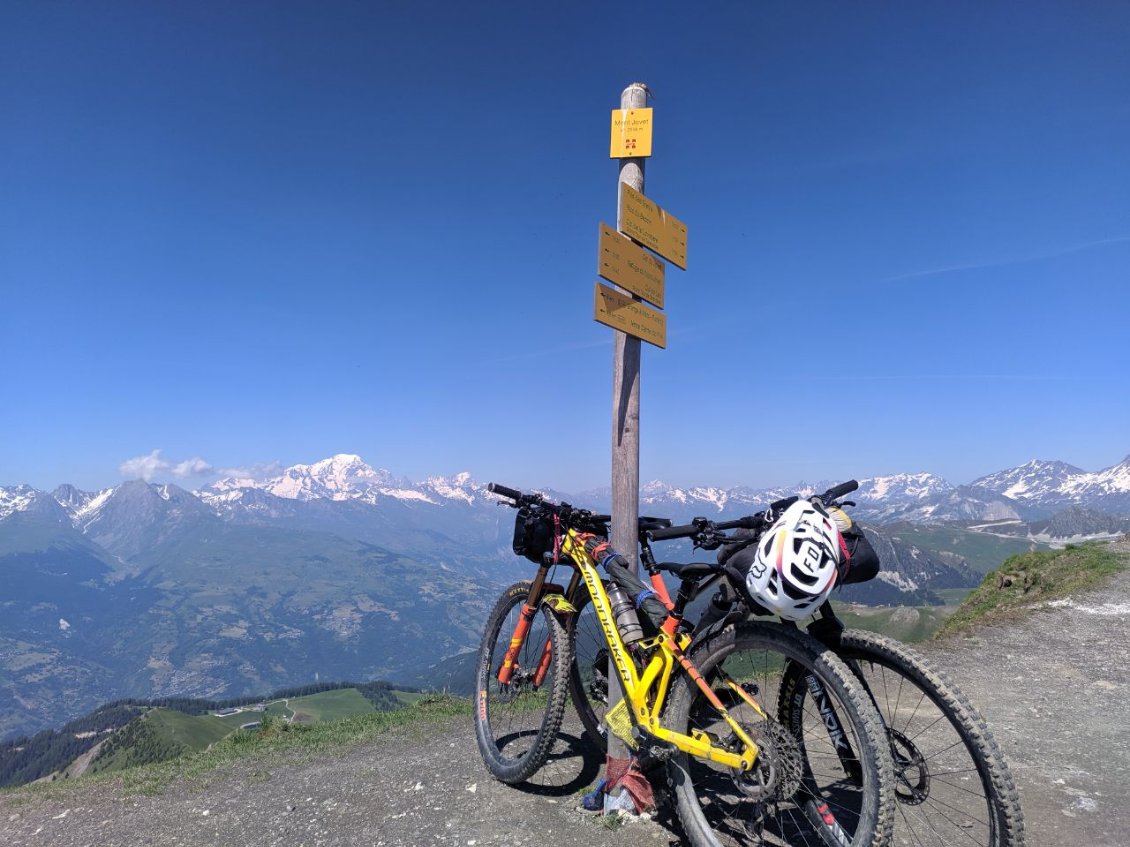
(259,232)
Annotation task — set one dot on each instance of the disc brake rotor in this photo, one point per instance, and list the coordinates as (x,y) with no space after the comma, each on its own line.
(912,774)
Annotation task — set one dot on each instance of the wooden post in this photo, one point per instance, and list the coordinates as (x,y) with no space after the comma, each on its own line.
(625,421)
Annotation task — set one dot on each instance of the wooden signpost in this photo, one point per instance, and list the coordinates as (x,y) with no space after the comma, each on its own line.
(622,261)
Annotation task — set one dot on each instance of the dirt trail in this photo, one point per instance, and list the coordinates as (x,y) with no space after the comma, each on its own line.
(1054,688)
(407,789)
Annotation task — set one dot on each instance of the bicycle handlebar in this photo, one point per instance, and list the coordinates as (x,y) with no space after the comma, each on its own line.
(702,528)
(838,491)
(701,525)
(504,491)
(570,515)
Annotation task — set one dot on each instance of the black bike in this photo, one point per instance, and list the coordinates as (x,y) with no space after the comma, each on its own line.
(952,783)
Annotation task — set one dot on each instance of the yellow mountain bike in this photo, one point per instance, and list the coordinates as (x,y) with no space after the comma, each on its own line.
(740,774)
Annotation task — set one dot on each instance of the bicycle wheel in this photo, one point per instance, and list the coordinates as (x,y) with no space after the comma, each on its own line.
(810,784)
(588,674)
(516,722)
(952,784)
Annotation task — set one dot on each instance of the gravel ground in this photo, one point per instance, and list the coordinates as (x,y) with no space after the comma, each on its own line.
(409,788)
(1054,689)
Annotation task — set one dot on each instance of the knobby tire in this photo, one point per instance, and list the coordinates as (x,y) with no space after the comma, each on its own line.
(517,724)
(952,783)
(799,791)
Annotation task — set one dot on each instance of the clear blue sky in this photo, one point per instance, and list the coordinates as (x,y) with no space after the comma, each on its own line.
(254,232)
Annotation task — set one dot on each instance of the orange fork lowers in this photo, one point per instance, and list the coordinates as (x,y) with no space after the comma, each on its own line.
(520,630)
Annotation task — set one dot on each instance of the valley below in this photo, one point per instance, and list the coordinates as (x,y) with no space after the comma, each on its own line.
(337,571)
(1053,687)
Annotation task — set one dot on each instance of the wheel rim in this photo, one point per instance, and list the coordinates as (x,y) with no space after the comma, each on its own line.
(801,792)
(513,713)
(941,792)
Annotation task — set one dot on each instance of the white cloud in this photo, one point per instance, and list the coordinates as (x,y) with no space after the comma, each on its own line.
(151,465)
(192,467)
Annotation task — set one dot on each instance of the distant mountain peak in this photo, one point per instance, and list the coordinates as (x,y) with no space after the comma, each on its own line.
(915,486)
(461,486)
(16,498)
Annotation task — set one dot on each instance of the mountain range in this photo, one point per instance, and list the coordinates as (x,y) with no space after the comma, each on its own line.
(339,570)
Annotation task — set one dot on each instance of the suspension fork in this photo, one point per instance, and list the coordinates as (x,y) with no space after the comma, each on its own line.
(522,629)
(827,629)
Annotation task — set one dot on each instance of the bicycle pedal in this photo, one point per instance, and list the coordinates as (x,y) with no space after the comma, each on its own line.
(654,746)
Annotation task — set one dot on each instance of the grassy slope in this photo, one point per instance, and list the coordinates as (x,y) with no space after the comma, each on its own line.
(195,733)
(332,705)
(163,733)
(905,623)
(982,552)
(159,734)
(278,738)
(1036,578)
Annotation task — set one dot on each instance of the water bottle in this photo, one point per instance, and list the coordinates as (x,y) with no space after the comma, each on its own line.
(624,611)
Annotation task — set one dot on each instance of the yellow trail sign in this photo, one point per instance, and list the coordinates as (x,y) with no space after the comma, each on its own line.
(631,134)
(619,311)
(647,223)
(621,261)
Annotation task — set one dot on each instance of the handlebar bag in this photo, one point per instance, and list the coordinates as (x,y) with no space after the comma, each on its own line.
(533,534)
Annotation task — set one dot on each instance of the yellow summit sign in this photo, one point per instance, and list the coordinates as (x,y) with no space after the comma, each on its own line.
(631,134)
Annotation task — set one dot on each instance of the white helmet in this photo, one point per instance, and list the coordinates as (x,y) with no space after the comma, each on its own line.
(797,562)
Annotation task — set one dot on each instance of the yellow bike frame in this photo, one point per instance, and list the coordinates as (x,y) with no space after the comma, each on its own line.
(646,692)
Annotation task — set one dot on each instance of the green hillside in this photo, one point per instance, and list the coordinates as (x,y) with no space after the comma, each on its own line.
(331,705)
(904,623)
(138,732)
(980,551)
(158,735)
(162,734)
(1031,578)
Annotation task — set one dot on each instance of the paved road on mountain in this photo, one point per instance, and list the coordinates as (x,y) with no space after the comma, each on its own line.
(1054,688)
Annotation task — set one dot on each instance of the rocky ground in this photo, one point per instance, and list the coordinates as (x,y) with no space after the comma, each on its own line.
(1053,687)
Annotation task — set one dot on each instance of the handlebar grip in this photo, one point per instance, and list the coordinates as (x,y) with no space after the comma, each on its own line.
(748,522)
(667,533)
(495,488)
(782,504)
(838,491)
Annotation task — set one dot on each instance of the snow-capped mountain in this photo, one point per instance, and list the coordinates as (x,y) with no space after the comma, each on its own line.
(344,477)
(257,582)
(1052,486)
(16,498)
(1034,490)
(919,498)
